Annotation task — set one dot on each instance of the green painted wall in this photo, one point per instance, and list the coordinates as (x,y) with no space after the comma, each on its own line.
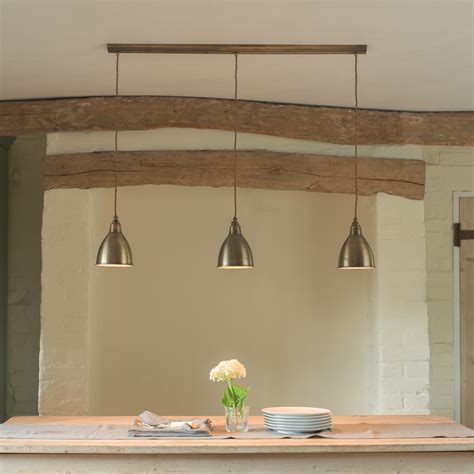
(4,145)
(25,208)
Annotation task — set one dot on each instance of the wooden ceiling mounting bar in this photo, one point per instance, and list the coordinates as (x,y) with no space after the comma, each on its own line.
(237,48)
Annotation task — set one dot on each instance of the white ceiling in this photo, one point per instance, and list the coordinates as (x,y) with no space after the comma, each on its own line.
(420,52)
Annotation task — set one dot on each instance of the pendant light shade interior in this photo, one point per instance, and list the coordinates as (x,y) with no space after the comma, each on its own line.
(356,253)
(235,252)
(114,251)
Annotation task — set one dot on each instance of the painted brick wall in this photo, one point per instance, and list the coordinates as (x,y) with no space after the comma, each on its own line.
(448,170)
(399,312)
(63,388)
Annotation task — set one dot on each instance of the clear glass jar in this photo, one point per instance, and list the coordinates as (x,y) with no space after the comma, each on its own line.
(237,419)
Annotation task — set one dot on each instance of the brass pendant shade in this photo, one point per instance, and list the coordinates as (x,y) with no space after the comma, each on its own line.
(356,252)
(235,252)
(114,251)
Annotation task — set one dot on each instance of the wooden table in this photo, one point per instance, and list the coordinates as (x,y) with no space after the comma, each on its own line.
(207,455)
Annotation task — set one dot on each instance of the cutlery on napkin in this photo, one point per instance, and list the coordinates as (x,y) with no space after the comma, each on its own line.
(151,425)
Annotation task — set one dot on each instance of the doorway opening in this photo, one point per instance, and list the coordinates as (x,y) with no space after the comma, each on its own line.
(463,263)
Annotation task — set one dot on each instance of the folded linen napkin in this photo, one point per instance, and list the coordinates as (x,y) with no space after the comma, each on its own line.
(151,425)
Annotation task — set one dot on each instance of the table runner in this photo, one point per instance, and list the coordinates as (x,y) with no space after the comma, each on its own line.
(339,431)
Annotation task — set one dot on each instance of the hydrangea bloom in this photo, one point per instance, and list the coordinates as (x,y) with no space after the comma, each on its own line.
(227,370)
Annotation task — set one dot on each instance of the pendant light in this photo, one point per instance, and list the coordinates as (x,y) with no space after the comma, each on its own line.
(356,253)
(115,251)
(235,252)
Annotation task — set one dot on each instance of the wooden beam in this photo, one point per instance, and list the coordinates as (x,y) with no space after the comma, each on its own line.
(324,124)
(256,169)
(148,48)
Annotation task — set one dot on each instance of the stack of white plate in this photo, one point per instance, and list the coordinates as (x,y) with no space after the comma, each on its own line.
(297,420)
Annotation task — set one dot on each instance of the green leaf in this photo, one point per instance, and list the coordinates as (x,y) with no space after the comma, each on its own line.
(234,396)
(240,393)
(228,398)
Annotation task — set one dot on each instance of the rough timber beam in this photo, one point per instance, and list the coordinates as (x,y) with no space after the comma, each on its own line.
(256,169)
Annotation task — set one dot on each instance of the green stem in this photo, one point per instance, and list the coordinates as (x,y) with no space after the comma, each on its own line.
(232,390)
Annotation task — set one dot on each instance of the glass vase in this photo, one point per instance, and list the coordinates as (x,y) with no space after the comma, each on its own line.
(237,419)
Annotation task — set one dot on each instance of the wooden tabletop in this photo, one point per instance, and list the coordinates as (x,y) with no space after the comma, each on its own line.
(234,446)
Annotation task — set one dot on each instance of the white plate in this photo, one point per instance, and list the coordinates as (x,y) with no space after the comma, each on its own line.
(289,425)
(298,423)
(297,430)
(297,418)
(296,411)
(286,415)
(291,432)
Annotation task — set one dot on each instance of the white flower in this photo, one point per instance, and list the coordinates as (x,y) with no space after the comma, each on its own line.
(227,370)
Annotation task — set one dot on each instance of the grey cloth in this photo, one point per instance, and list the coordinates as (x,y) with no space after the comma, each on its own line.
(62,431)
(350,431)
(397,431)
(150,425)
(363,431)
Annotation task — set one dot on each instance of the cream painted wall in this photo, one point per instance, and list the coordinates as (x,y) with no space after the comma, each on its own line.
(297,323)
(146,337)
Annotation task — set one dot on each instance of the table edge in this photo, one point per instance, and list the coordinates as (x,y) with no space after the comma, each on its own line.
(231,447)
